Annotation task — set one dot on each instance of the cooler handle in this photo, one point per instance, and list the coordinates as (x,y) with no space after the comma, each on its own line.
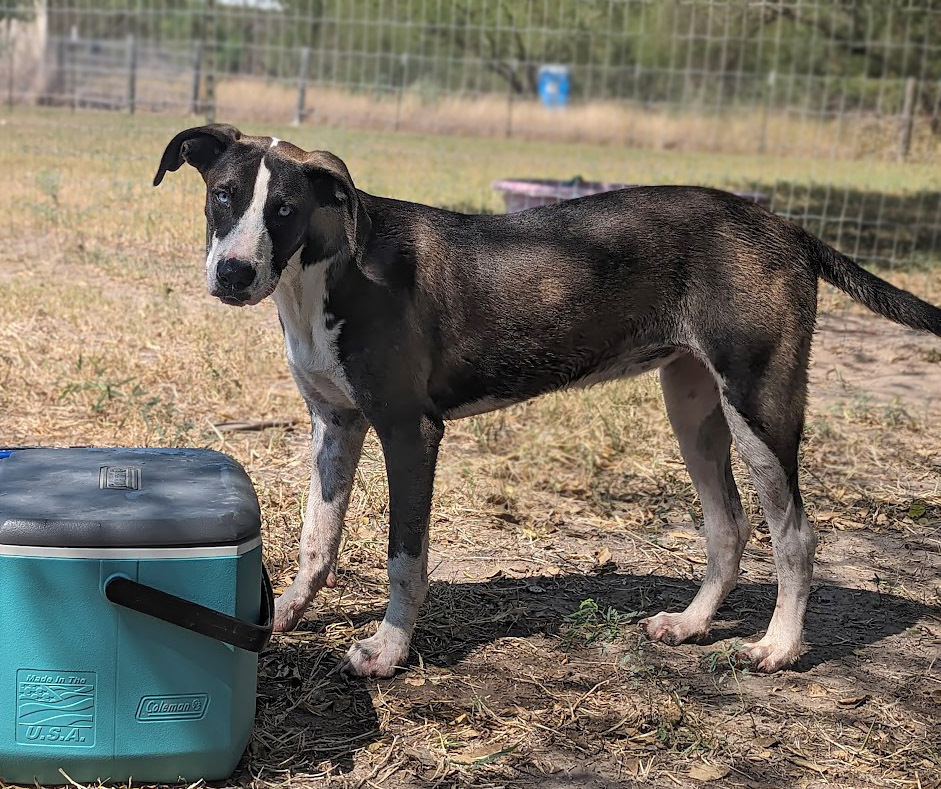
(194,617)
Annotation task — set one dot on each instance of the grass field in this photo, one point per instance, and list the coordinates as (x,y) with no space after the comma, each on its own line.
(557,524)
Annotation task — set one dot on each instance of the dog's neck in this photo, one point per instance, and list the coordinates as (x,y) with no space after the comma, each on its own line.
(303,289)
(310,331)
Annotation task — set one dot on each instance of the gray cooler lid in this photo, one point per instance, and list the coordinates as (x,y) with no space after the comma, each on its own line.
(125,498)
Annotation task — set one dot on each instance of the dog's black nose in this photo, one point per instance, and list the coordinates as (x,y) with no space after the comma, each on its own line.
(235,275)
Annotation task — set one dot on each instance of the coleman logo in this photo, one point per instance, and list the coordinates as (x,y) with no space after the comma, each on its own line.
(190,707)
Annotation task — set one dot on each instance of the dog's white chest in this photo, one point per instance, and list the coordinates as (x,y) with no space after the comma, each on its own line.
(311,346)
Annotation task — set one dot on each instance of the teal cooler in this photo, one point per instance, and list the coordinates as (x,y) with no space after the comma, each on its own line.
(133,605)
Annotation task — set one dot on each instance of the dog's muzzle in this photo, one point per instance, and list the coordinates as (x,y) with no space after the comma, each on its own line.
(234,277)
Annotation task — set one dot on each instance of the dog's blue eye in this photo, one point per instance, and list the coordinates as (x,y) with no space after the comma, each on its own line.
(222,197)
(285,210)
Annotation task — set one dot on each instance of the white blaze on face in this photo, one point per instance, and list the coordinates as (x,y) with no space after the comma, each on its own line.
(248,240)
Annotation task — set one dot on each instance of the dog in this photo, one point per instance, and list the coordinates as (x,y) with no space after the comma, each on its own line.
(401,316)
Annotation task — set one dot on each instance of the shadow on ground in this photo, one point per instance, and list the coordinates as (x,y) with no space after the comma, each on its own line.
(840,620)
(299,691)
(460,617)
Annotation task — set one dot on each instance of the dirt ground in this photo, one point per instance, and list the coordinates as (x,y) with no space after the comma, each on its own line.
(557,524)
(505,691)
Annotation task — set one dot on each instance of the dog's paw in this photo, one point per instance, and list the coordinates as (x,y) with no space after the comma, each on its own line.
(288,611)
(674,629)
(379,656)
(768,657)
(291,606)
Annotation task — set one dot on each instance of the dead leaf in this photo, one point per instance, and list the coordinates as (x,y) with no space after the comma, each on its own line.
(481,755)
(708,772)
(801,762)
(816,691)
(853,701)
(765,742)
(604,556)
(632,766)
(415,682)
(681,535)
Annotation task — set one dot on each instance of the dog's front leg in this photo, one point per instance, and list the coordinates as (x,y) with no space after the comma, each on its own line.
(337,441)
(411,450)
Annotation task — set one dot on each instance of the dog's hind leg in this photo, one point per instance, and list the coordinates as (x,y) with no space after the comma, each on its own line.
(411,450)
(763,400)
(337,441)
(695,411)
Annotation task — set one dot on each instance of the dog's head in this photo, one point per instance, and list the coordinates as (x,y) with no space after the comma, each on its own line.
(265,200)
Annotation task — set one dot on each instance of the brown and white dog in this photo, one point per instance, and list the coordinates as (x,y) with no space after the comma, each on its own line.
(401,316)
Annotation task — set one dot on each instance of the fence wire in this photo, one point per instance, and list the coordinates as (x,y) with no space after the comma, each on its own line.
(835,80)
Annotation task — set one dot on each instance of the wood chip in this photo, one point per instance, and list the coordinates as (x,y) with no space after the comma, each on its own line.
(264,424)
(853,701)
(707,772)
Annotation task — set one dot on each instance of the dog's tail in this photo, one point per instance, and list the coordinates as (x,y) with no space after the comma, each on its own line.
(894,303)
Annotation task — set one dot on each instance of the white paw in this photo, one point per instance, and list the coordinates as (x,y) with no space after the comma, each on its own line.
(674,629)
(288,611)
(769,657)
(379,656)
(291,606)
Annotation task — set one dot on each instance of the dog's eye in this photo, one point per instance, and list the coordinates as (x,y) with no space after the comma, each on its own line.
(285,210)
(222,197)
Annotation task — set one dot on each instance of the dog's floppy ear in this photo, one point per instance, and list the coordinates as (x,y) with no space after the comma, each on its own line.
(340,219)
(199,146)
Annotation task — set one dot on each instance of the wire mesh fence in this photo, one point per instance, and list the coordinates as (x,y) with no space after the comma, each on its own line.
(828,80)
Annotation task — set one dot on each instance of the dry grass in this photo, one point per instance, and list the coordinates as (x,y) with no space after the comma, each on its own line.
(107,337)
(732,130)
(857,135)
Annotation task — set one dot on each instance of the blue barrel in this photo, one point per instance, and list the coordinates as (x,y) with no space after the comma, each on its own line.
(554,85)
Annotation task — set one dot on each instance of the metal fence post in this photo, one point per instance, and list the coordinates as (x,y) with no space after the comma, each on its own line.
(57,94)
(908,119)
(11,79)
(131,73)
(400,92)
(766,110)
(302,85)
(72,52)
(197,75)
(509,100)
(210,37)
